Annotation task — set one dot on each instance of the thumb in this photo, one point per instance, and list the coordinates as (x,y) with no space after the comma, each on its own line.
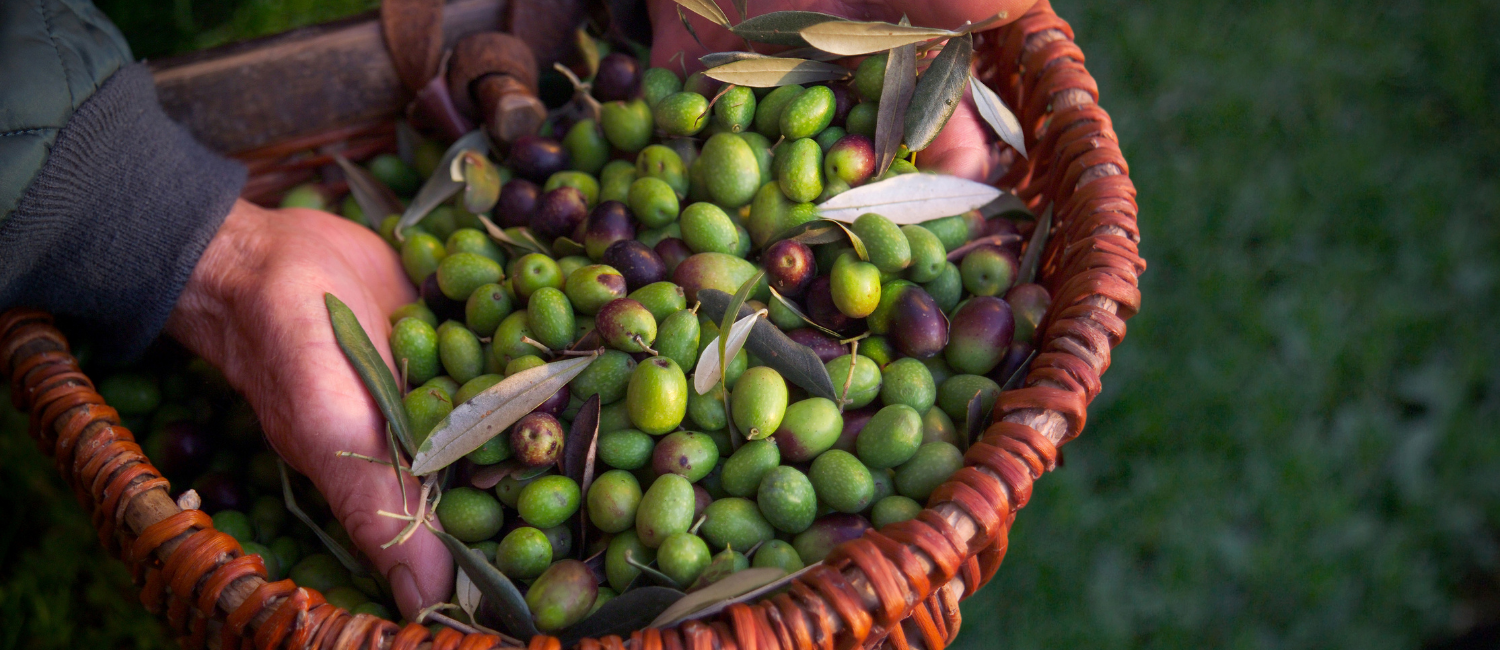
(965,147)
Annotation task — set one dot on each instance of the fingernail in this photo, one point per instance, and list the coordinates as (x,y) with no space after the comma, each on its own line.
(404,586)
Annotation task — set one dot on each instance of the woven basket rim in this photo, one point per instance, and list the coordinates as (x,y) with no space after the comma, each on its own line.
(898,586)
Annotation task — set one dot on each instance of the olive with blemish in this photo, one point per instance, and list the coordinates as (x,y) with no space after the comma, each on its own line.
(536,439)
(626,325)
(638,263)
(535,158)
(558,213)
(688,453)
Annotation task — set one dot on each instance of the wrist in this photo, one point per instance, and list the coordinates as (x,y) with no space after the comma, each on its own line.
(202,320)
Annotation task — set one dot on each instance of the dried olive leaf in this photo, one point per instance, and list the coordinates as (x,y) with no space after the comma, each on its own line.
(895,96)
(623,614)
(730,586)
(850,38)
(466,593)
(938,92)
(974,421)
(577,461)
(710,370)
(781,27)
(689,27)
(487,414)
(500,235)
(706,8)
(375,199)
(998,115)
(588,49)
(749,596)
(1033,256)
(796,362)
(334,548)
(501,597)
(481,179)
(817,231)
(440,186)
(1020,373)
(355,343)
(910,198)
(743,8)
(776,71)
(716,59)
(489,476)
(792,307)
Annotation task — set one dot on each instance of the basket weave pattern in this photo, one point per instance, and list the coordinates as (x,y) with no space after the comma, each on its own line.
(896,588)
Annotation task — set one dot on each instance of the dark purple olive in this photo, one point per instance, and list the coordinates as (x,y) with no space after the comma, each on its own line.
(442,306)
(517,200)
(701,499)
(185,449)
(220,491)
(918,327)
(1029,303)
(981,331)
(618,78)
(1015,355)
(854,422)
(790,267)
(556,404)
(558,212)
(1005,227)
(534,158)
(826,347)
(821,309)
(537,439)
(844,100)
(672,252)
(609,222)
(639,264)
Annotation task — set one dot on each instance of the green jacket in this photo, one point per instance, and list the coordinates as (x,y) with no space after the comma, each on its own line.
(105,203)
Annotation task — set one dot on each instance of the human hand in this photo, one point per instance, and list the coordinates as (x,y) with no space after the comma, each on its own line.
(965,147)
(254,308)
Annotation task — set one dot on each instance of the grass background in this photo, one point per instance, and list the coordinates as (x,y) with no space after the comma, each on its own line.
(1296,446)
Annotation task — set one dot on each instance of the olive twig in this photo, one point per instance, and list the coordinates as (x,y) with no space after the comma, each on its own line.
(369,459)
(537,344)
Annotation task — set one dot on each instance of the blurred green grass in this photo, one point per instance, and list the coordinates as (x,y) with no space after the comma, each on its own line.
(1296,443)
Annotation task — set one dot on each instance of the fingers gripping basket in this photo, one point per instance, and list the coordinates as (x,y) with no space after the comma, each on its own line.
(897,588)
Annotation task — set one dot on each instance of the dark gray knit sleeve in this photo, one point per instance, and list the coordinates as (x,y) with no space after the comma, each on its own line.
(109,230)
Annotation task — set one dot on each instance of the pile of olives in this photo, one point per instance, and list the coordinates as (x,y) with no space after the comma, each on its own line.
(681,186)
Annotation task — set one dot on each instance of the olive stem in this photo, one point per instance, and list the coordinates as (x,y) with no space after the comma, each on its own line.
(537,344)
(642,342)
(369,459)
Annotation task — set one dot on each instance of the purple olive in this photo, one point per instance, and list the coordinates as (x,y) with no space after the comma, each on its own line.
(844,100)
(1015,355)
(851,159)
(536,439)
(979,336)
(790,267)
(558,212)
(672,252)
(854,422)
(827,532)
(918,327)
(534,158)
(442,306)
(556,404)
(185,449)
(1003,227)
(701,499)
(220,491)
(618,78)
(517,200)
(826,347)
(821,309)
(639,264)
(609,222)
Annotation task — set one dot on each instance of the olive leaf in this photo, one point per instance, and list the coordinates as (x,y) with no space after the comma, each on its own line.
(1019,374)
(440,186)
(716,59)
(749,596)
(743,8)
(797,311)
(781,27)
(653,574)
(895,95)
(355,343)
(822,231)
(481,179)
(730,586)
(500,595)
(488,414)
(466,593)
(334,548)
(776,71)
(990,240)
(1006,203)
(910,198)
(974,421)
(998,115)
(489,476)
(706,8)
(938,92)
(623,614)
(503,237)
(565,246)
(375,199)
(850,38)
(1033,256)
(689,27)
(588,50)
(797,363)
(577,460)
(710,367)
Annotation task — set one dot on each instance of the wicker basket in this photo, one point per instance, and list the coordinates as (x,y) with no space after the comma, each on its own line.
(898,587)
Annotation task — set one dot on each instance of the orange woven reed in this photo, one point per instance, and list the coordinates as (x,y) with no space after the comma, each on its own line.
(895,588)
